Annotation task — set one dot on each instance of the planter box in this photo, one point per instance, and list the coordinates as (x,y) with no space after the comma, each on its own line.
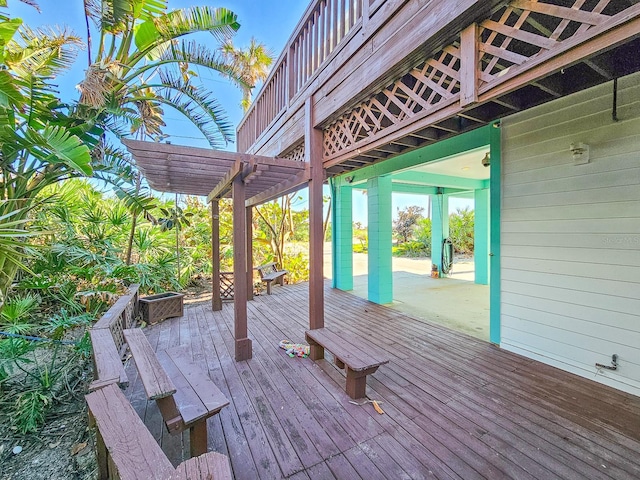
(157,307)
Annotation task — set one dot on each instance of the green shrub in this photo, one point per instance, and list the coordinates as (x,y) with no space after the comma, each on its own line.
(411,249)
(461,225)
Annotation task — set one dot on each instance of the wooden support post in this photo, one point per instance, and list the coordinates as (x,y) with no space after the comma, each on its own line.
(469,65)
(249,224)
(243,344)
(216,298)
(198,438)
(313,154)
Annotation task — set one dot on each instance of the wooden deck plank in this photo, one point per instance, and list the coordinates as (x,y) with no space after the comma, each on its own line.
(455,407)
(233,438)
(280,440)
(175,446)
(255,433)
(312,394)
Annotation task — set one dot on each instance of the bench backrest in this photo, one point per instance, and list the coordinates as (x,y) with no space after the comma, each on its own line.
(126,449)
(267,268)
(108,343)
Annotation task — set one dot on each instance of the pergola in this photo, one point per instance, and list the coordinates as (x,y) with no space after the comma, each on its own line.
(249,180)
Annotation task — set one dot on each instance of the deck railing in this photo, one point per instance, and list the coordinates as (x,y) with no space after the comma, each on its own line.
(325,24)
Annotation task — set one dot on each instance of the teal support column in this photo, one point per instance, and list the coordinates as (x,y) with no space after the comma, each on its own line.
(342,237)
(380,240)
(481,236)
(439,227)
(494,262)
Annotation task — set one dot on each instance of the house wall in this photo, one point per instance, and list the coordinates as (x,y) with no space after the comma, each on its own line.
(570,245)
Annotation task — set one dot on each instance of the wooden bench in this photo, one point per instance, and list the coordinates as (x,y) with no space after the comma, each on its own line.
(269,273)
(126,450)
(107,363)
(185,395)
(350,352)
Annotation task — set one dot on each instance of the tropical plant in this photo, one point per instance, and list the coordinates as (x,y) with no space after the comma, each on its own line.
(143,63)
(405,222)
(40,142)
(461,225)
(276,226)
(252,65)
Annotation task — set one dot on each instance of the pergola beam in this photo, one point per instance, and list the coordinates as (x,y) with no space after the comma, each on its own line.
(225,184)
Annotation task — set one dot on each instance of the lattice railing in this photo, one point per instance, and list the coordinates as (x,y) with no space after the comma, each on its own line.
(514,35)
(296,154)
(525,29)
(226,285)
(425,86)
(121,315)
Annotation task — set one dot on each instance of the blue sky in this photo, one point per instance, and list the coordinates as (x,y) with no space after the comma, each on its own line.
(270,22)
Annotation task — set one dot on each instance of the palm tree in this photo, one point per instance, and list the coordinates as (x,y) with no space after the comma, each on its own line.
(252,64)
(40,142)
(143,64)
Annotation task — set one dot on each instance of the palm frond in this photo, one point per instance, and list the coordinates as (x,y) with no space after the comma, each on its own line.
(57,145)
(203,110)
(45,52)
(220,22)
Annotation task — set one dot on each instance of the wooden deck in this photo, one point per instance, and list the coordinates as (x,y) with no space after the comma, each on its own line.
(455,407)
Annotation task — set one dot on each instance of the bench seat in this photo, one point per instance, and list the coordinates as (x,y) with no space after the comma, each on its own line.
(185,394)
(269,273)
(356,356)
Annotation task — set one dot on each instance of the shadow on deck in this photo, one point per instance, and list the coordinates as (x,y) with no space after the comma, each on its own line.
(456,407)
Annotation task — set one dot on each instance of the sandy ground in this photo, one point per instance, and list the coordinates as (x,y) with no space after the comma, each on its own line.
(455,301)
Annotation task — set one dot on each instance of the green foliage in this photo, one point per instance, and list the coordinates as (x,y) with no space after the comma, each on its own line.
(360,232)
(405,222)
(422,235)
(411,249)
(461,224)
(297,266)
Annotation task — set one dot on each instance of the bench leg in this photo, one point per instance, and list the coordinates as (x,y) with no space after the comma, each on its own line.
(101,456)
(356,385)
(357,382)
(198,438)
(269,287)
(316,352)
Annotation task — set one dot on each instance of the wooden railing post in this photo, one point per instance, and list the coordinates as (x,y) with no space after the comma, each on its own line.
(216,298)
(313,154)
(242,343)
(249,224)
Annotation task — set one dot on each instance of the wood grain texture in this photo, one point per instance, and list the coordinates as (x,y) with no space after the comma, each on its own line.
(108,366)
(156,382)
(455,407)
(212,466)
(131,448)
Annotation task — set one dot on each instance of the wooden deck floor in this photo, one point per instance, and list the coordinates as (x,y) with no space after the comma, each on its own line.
(455,407)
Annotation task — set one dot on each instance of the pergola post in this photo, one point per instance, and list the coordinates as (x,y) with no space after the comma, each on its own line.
(242,343)
(313,154)
(249,224)
(216,298)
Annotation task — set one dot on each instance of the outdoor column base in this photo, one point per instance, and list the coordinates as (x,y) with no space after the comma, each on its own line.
(243,349)
(316,352)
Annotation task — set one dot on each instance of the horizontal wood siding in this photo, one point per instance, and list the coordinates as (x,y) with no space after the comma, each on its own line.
(570,287)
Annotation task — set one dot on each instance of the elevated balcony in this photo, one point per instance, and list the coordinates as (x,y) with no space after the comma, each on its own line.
(387,76)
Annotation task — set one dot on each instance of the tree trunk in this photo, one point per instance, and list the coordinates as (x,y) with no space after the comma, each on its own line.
(134,221)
